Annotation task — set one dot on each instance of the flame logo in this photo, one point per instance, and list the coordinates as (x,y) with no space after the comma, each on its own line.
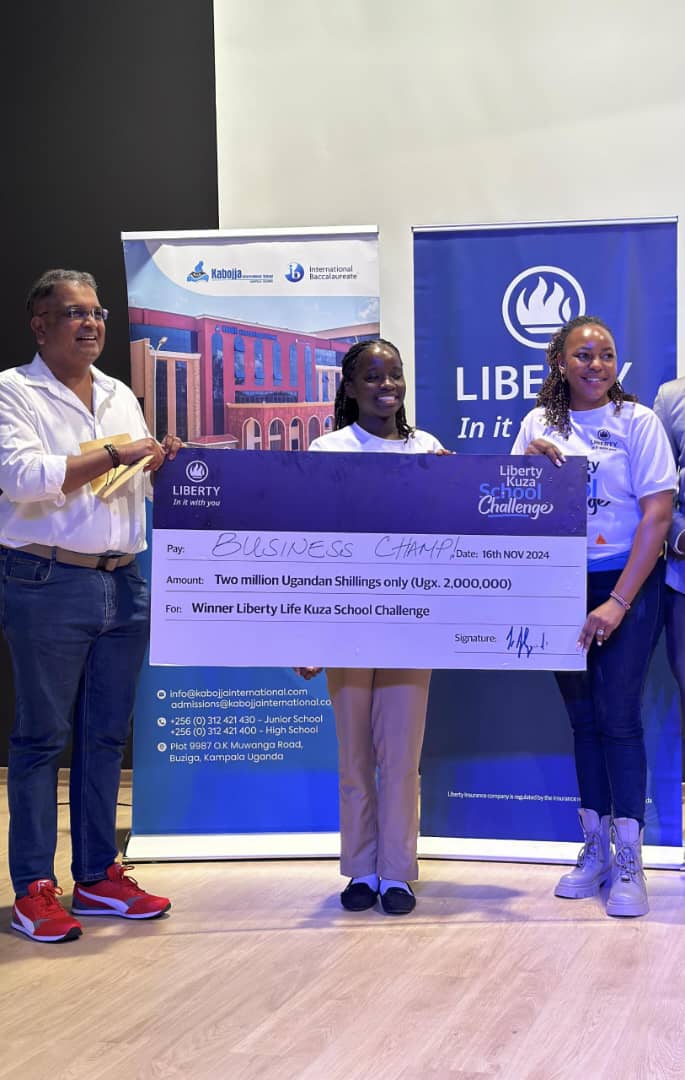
(544,310)
(538,302)
(197,471)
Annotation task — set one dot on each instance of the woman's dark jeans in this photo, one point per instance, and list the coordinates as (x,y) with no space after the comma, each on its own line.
(604,703)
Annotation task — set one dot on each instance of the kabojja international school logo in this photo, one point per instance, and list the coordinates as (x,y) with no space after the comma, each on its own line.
(218,273)
(538,302)
(199,273)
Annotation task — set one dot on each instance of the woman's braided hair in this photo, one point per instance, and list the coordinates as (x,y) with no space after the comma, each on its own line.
(346,408)
(554,395)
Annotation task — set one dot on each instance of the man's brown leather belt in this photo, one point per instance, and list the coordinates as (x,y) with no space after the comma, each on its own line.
(77,558)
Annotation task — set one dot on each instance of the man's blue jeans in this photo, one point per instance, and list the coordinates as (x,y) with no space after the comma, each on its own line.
(77,638)
(604,703)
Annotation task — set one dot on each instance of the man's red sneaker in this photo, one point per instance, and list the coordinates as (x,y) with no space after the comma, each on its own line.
(41,917)
(119,895)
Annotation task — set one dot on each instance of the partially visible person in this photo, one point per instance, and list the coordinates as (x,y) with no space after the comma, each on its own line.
(583,410)
(73,607)
(670,408)
(380,713)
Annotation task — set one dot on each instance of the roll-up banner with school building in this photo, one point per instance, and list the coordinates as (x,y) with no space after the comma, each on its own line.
(236,343)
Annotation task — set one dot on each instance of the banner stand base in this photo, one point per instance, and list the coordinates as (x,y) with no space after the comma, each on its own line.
(196,847)
(211,846)
(655,857)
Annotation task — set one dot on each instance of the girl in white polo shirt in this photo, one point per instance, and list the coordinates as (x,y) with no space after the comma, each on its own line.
(380,713)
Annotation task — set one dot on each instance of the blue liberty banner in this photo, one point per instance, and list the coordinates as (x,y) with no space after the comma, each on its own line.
(487,301)
(499,764)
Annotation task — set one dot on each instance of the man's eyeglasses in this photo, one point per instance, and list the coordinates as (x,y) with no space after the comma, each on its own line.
(80,314)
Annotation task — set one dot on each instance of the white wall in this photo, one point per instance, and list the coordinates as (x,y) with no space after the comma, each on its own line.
(405,112)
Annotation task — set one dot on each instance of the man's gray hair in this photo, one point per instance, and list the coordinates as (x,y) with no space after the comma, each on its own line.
(46,282)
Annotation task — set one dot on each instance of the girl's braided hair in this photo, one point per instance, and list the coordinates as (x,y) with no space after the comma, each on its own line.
(346,408)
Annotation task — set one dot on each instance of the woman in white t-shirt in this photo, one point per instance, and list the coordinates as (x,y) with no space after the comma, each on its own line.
(583,409)
(380,713)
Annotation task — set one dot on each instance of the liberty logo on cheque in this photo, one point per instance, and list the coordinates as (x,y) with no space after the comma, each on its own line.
(517,493)
(197,471)
(196,492)
(538,302)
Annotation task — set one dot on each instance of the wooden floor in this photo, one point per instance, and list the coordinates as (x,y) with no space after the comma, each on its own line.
(258,973)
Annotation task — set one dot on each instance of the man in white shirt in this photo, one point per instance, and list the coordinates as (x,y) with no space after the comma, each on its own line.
(73,607)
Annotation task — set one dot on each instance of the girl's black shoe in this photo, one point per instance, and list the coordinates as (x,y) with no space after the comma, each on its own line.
(358,896)
(396,901)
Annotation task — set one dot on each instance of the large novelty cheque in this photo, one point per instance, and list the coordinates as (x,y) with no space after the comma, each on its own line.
(362,560)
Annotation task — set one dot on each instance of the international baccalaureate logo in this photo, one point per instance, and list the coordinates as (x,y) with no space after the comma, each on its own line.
(197,472)
(295,272)
(539,301)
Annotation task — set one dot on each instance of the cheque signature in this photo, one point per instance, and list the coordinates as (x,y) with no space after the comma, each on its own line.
(519,640)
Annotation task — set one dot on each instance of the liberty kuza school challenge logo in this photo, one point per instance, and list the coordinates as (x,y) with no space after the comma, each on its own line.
(518,491)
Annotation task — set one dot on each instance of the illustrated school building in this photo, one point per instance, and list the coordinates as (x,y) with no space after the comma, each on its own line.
(236,385)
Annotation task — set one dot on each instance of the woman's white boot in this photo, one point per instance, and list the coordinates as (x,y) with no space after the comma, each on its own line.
(628,893)
(593,866)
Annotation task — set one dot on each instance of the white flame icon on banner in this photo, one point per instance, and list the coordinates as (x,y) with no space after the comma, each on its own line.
(543,312)
(538,301)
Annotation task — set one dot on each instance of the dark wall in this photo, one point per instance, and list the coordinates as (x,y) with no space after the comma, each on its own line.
(110,127)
